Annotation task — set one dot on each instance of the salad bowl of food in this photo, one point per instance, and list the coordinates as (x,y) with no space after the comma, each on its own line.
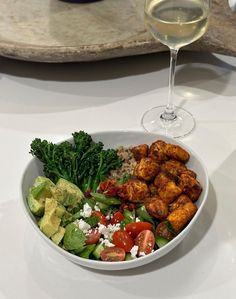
(113,200)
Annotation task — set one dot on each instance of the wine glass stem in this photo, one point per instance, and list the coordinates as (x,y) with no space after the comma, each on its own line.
(169,112)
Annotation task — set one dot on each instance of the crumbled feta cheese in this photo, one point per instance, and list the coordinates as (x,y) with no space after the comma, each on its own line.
(134,251)
(137,219)
(107,243)
(103,230)
(87,211)
(96,207)
(85,227)
(107,231)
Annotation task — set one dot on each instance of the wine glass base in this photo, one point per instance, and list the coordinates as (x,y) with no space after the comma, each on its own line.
(181,126)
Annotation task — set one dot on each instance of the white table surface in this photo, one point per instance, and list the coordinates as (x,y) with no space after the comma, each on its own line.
(52,101)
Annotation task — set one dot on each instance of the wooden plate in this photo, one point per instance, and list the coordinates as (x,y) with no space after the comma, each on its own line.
(55,31)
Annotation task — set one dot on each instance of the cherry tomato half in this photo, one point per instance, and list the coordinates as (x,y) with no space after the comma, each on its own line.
(113,254)
(117,217)
(101,217)
(93,237)
(123,240)
(134,228)
(145,242)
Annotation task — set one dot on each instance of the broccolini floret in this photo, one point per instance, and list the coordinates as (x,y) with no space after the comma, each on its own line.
(84,163)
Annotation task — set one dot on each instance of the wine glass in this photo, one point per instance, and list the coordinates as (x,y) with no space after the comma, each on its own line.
(175,23)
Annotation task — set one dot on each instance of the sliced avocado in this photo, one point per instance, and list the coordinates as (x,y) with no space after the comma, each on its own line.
(42,179)
(60,211)
(40,190)
(50,222)
(58,236)
(74,238)
(97,251)
(36,206)
(71,194)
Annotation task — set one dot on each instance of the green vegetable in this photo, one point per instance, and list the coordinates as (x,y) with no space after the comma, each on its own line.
(92,221)
(74,238)
(128,257)
(90,201)
(129,216)
(143,214)
(97,251)
(41,189)
(169,227)
(161,241)
(84,163)
(88,249)
(105,199)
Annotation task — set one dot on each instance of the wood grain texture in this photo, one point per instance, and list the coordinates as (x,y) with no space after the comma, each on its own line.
(55,31)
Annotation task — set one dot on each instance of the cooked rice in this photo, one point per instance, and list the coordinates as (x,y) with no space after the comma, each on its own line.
(128,163)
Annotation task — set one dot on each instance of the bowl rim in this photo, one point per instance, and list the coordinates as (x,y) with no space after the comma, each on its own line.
(111,266)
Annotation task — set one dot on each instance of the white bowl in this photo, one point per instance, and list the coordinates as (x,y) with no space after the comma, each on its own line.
(113,139)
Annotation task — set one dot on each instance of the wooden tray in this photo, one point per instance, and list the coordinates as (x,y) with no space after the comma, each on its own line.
(55,31)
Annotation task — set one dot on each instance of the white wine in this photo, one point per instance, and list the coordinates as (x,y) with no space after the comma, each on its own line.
(177,23)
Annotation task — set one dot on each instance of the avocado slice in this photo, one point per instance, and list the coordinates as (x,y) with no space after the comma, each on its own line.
(37,193)
(50,222)
(36,206)
(71,194)
(58,236)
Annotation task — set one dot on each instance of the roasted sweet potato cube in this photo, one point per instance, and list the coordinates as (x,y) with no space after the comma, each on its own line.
(134,190)
(173,167)
(180,201)
(146,169)
(157,151)
(176,152)
(162,178)
(181,216)
(140,151)
(190,186)
(169,192)
(156,207)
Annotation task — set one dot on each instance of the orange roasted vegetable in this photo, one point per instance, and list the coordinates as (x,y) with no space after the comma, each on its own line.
(140,151)
(181,216)
(176,152)
(156,207)
(146,169)
(190,186)
(134,190)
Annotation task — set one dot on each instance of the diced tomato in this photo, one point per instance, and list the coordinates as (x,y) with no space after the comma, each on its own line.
(122,239)
(134,228)
(93,237)
(101,217)
(108,187)
(117,217)
(113,254)
(145,242)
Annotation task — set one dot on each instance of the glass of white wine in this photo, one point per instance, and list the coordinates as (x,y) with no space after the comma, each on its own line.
(175,23)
